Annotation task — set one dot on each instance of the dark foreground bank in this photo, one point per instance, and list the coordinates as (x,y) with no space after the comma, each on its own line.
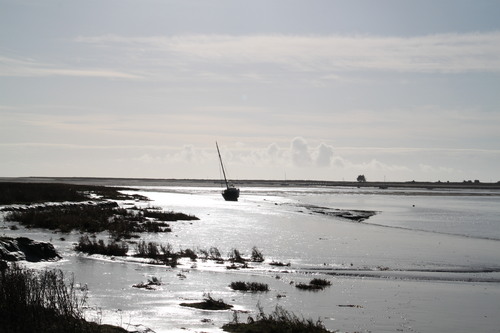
(45,301)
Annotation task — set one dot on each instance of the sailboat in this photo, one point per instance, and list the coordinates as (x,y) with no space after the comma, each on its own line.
(231,193)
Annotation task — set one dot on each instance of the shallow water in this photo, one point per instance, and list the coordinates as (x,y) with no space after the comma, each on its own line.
(426,262)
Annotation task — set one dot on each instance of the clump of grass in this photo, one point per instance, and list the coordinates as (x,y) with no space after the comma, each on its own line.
(162,254)
(209,303)
(203,254)
(85,244)
(257,255)
(234,266)
(249,286)
(159,253)
(214,254)
(320,282)
(279,321)
(279,264)
(314,284)
(32,301)
(168,216)
(235,256)
(150,250)
(188,253)
(153,281)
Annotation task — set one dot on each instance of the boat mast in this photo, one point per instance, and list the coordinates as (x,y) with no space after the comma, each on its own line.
(222,165)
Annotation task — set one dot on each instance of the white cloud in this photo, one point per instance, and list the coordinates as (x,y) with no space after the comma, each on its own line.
(21,67)
(263,58)
(325,155)
(432,169)
(300,152)
(298,160)
(443,53)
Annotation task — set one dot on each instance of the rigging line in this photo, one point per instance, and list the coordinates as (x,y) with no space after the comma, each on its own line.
(222,165)
(221,182)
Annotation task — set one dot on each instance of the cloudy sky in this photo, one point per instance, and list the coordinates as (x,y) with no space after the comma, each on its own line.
(395,90)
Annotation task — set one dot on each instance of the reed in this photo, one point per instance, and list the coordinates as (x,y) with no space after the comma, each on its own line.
(32,301)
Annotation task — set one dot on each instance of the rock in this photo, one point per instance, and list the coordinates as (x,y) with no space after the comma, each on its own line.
(9,251)
(22,248)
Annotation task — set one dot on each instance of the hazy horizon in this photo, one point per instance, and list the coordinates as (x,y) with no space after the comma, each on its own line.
(317,90)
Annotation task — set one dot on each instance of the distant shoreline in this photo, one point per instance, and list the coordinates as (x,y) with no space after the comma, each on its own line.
(251,183)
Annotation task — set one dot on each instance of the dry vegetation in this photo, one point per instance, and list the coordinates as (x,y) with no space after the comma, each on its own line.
(209,303)
(314,285)
(279,321)
(32,301)
(249,286)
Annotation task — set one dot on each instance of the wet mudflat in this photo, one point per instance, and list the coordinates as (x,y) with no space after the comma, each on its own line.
(400,269)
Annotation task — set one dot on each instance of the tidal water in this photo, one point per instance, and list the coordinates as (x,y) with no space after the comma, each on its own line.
(427,261)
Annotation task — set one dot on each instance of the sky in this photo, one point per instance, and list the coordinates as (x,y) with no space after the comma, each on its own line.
(395,90)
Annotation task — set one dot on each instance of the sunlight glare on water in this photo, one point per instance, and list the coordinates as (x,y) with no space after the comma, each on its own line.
(392,272)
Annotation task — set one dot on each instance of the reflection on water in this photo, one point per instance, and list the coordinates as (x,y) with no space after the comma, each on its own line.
(398,268)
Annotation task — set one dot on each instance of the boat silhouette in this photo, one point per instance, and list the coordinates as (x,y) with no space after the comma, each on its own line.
(230,193)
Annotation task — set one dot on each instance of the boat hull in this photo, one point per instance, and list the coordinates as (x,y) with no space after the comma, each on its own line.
(231,194)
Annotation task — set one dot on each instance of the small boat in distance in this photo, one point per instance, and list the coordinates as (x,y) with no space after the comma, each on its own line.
(231,193)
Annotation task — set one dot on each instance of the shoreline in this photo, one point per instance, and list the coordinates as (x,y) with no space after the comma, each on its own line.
(254,183)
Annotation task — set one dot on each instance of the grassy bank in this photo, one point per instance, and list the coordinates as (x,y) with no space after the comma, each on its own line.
(29,193)
(32,301)
(96,217)
(120,222)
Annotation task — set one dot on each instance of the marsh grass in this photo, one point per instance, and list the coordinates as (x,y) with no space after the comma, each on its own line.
(188,253)
(249,286)
(92,218)
(279,264)
(257,255)
(162,254)
(279,321)
(32,301)
(84,217)
(168,216)
(235,257)
(153,281)
(28,193)
(86,245)
(88,211)
(209,303)
(214,253)
(314,285)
